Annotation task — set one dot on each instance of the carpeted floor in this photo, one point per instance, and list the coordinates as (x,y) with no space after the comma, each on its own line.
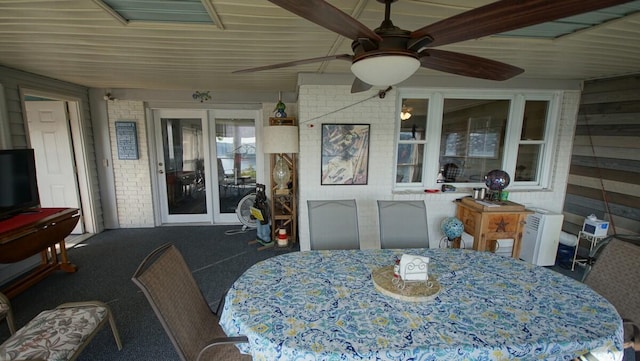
(105,265)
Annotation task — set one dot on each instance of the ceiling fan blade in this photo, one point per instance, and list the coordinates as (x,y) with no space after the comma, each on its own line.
(296,62)
(467,65)
(328,16)
(505,15)
(359,86)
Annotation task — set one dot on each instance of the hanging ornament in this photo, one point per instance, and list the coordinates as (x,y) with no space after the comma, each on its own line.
(280,107)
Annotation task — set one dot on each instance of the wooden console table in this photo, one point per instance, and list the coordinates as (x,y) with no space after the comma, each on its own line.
(504,220)
(39,231)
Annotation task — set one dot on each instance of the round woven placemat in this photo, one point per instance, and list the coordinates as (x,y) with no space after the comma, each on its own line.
(414,291)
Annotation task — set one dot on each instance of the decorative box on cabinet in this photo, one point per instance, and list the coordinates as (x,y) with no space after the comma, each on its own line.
(489,224)
(284,203)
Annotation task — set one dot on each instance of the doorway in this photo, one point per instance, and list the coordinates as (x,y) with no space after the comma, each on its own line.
(236,162)
(206,161)
(54,131)
(182,166)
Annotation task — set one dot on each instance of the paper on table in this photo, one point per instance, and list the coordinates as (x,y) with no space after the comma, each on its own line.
(414,268)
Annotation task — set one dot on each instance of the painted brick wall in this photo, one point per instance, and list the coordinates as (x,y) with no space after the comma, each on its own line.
(132,177)
(318,104)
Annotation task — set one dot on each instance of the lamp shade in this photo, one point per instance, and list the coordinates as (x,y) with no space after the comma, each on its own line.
(385,70)
(280,139)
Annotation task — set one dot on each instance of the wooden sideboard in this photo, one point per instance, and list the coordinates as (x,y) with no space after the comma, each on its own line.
(40,231)
(488,224)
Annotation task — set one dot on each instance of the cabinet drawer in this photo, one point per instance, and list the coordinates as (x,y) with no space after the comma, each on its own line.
(469,220)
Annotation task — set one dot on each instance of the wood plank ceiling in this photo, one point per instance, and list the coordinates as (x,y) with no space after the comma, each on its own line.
(81,42)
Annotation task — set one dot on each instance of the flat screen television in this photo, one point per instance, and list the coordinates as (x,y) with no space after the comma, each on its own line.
(18,183)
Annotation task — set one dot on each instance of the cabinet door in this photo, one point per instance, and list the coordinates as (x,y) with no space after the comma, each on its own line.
(501,223)
(502,226)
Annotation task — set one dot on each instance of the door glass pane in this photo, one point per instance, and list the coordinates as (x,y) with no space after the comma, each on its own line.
(535,120)
(527,164)
(472,139)
(184,165)
(236,150)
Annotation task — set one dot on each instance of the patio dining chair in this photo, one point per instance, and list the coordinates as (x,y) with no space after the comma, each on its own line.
(333,224)
(615,275)
(403,224)
(194,330)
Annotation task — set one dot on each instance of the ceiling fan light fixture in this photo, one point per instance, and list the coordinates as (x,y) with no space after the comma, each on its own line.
(404,115)
(384,70)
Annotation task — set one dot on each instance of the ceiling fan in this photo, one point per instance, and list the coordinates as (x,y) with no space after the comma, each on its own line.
(388,55)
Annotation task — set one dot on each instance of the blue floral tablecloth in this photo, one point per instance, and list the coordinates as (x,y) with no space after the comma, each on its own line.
(322,305)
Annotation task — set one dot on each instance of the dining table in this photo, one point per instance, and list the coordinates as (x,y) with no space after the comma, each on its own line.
(329,305)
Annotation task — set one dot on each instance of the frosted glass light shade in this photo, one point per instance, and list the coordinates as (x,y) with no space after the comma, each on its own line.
(281,173)
(280,139)
(385,70)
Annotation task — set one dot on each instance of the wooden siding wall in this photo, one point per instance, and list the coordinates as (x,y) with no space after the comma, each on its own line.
(604,178)
(12,80)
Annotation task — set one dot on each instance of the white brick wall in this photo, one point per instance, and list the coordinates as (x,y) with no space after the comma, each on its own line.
(318,104)
(322,104)
(132,177)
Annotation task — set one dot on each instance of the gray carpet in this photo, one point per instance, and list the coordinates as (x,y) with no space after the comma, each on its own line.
(105,265)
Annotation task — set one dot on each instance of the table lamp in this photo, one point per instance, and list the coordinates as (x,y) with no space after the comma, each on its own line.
(281,139)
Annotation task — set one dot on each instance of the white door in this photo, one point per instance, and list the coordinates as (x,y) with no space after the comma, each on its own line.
(237,163)
(181,166)
(50,138)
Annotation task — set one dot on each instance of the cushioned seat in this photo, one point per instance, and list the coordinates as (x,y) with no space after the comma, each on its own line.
(6,313)
(59,334)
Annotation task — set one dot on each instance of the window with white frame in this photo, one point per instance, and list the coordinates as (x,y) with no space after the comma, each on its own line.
(464,135)
(411,143)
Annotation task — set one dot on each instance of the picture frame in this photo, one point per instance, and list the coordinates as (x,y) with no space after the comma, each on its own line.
(127,140)
(345,154)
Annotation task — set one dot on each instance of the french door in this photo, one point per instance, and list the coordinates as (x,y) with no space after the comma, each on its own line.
(206,162)
(238,164)
(182,165)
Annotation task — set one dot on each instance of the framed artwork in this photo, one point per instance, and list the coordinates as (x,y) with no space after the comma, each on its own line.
(127,140)
(345,154)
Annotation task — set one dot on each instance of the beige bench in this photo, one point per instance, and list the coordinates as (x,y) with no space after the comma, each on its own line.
(59,334)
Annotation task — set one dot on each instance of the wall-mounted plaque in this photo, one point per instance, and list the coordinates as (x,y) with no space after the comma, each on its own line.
(127,140)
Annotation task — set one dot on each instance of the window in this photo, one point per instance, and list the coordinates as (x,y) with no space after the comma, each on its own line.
(465,135)
(412,142)
(532,140)
(474,132)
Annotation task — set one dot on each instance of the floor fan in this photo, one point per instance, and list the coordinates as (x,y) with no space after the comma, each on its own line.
(243,211)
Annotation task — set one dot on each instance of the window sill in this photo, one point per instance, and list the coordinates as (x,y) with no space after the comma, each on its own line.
(466,191)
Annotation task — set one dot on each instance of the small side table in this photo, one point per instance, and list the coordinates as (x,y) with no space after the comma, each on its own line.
(593,242)
(488,222)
